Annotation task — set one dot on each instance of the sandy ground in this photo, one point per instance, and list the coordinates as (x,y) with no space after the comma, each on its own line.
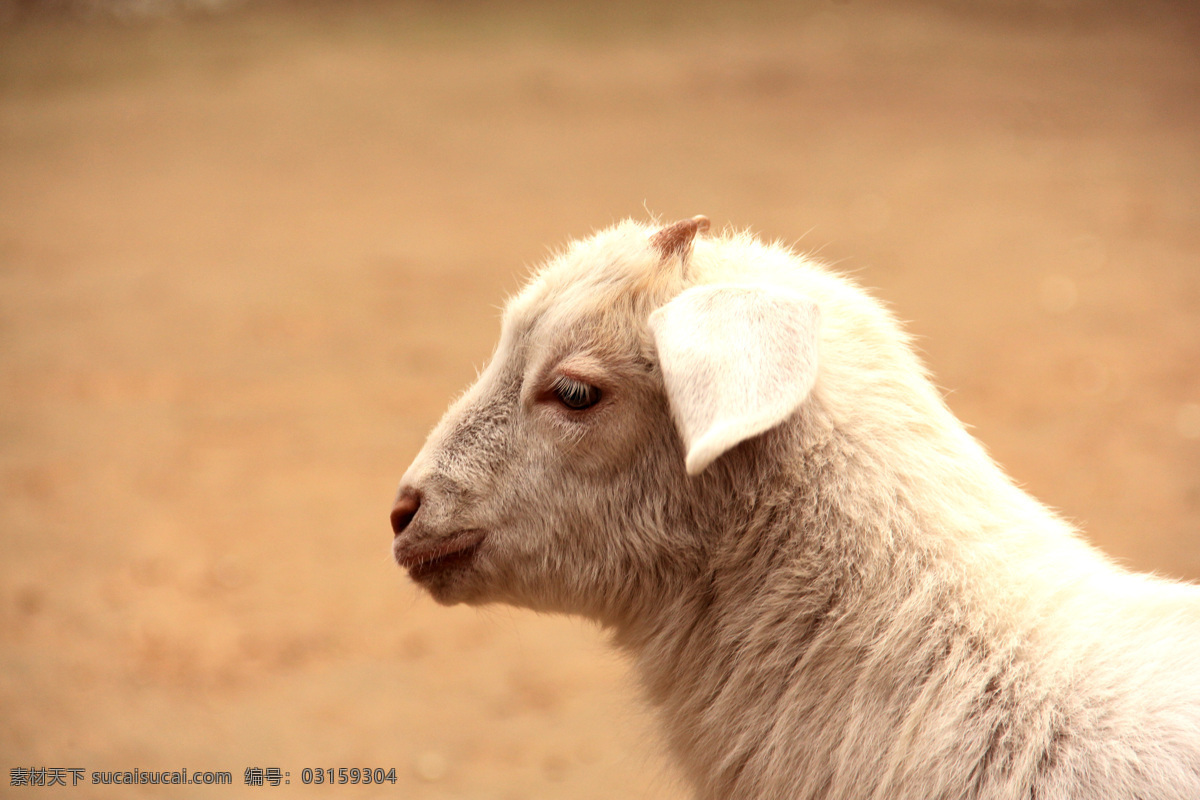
(246,261)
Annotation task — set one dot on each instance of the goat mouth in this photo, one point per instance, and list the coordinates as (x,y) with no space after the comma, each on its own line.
(425,561)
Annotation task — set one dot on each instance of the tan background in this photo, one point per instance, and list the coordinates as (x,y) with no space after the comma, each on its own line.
(247,259)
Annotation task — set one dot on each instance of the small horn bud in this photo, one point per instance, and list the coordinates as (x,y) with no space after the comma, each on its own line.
(676,238)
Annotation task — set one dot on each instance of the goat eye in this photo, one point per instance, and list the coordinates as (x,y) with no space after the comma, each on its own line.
(575,395)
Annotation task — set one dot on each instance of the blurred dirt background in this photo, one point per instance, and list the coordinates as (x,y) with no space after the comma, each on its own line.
(249,252)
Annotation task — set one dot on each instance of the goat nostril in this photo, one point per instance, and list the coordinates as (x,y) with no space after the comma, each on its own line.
(405,509)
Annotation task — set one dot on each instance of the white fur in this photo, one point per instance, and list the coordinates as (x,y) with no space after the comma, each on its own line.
(736,360)
(827,587)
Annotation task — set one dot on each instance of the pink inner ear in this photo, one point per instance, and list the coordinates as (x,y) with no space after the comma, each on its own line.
(676,238)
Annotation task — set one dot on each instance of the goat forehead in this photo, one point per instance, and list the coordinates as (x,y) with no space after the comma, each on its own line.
(567,316)
(595,272)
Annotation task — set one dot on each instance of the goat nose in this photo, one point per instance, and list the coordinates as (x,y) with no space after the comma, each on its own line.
(405,509)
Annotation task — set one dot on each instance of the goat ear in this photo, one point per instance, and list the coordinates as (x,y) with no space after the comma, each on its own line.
(736,360)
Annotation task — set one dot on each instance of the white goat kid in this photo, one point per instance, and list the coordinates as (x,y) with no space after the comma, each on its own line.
(732,459)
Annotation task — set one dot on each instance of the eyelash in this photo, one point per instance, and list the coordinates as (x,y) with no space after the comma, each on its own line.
(573,394)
